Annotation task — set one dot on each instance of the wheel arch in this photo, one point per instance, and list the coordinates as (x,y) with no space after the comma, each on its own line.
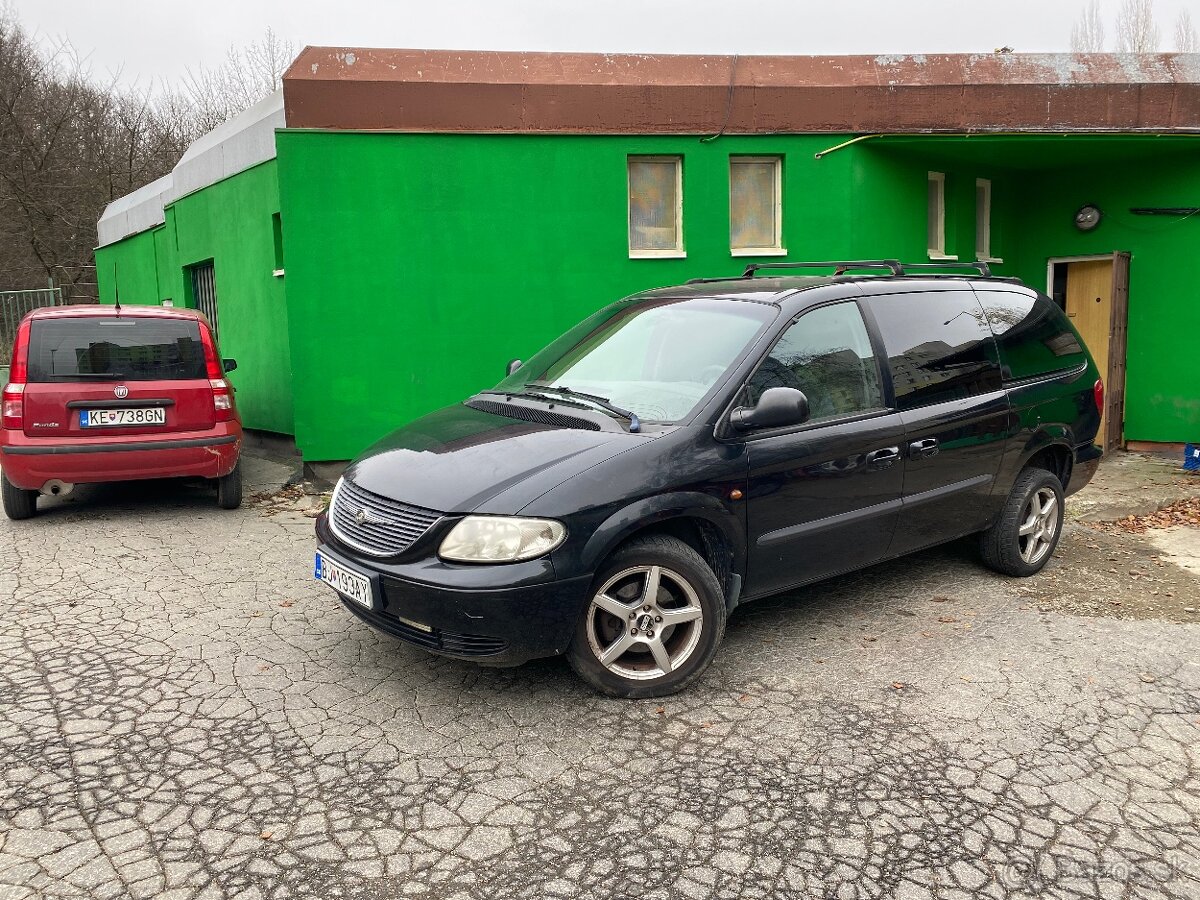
(1050,448)
(699,520)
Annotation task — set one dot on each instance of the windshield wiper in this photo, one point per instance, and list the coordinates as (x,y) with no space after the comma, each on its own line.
(550,392)
(107,376)
(635,423)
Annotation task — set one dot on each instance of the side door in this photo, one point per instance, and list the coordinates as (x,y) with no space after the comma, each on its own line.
(822,497)
(957,418)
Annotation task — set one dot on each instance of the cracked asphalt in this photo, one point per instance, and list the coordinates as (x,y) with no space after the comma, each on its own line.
(184,713)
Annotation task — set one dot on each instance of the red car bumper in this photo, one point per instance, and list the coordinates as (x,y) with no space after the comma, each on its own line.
(30,462)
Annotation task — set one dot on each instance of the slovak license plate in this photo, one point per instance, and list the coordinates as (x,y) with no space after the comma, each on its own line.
(347,583)
(100,418)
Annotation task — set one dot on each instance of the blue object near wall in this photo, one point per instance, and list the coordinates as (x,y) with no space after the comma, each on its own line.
(1191,457)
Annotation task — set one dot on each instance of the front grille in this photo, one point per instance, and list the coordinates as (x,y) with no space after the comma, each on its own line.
(530,414)
(444,641)
(374,524)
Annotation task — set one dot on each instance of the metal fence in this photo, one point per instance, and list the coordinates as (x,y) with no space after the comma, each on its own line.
(13,307)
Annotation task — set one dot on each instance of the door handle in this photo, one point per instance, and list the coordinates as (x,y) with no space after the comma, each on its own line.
(883,458)
(923,449)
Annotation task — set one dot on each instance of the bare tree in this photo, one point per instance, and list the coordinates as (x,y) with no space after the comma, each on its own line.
(1137,32)
(1186,40)
(1087,35)
(245,77)
(70,144)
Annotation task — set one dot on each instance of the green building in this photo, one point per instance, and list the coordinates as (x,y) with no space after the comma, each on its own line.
(381,237)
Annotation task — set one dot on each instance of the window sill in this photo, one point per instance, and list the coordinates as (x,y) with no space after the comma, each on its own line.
(990,259)
(942,257)
(658,254)
(278,273)
(762,251)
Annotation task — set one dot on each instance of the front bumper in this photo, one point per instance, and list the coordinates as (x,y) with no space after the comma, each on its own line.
(30,462)
(501,615)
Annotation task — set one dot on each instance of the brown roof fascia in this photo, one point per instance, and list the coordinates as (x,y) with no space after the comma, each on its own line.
(591,93)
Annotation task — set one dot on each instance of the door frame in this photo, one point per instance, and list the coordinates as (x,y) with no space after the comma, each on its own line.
(1118,331)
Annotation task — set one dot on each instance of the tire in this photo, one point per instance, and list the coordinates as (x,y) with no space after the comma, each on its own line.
(229,488)
(686,590)
(18,502)
(1003,546)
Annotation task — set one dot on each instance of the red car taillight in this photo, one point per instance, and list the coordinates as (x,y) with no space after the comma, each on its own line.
(13,401)
(1098,393)
(222,393)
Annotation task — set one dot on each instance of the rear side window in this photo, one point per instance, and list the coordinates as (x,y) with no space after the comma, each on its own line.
(1032,333)
(939,346)
(115,348)
(827,355)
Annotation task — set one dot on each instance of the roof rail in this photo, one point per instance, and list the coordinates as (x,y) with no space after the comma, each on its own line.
(981,267)
(892,265)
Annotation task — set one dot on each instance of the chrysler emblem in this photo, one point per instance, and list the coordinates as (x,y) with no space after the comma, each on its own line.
(121,391)
(362,517)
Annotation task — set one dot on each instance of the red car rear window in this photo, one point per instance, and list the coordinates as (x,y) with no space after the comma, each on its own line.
(115,348)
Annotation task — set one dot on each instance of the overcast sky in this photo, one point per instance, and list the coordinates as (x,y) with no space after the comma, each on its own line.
(149,40)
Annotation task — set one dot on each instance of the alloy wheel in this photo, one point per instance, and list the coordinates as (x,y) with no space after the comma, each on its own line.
(644,622)
(1039,525)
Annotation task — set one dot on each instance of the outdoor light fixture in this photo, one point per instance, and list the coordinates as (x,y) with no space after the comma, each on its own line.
(1087,217)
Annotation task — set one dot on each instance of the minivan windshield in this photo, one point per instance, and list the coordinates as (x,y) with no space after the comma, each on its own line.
(657,359)
(115,348)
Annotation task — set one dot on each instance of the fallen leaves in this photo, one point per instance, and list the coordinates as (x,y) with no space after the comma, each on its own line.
(1146,677)
(1181,512)
(898,685)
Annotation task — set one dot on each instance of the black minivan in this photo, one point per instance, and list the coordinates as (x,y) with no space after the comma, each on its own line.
(691,448)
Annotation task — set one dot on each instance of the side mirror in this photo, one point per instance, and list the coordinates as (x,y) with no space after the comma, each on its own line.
(778,407)
(513,365)
(229,364)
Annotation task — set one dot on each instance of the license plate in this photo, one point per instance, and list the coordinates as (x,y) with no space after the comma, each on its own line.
(102,418)
(347,583)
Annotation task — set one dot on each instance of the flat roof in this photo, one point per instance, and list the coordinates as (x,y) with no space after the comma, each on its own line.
(594,93)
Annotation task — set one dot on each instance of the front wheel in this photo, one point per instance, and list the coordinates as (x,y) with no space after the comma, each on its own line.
(1024,537)
(653,623)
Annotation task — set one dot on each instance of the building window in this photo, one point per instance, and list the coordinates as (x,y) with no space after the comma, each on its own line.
(937,217)
(983,221)
(655,206)
(755,206)
(277,236)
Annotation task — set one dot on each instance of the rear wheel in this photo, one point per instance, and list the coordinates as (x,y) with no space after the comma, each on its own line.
(653,623)
(229,488)
(18,502)
(1024,537)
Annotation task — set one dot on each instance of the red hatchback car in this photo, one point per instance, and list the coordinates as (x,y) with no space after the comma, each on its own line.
(102,393)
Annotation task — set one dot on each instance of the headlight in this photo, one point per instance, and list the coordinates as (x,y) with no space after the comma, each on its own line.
(494,539)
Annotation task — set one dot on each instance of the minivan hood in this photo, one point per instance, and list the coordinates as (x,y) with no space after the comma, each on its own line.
(457,459)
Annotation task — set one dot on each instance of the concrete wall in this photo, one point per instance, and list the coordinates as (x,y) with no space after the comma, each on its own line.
(230,223)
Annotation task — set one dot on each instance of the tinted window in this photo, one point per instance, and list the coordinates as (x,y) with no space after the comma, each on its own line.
(827,354)
(939,346)
(1033,334)
(656,358)
(125,348)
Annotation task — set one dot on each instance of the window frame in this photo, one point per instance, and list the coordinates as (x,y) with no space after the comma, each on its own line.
(983,248)
(727,433)
(679,251)
(938,253)
(777,165)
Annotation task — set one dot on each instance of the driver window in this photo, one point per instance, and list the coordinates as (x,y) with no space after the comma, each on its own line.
(827,354)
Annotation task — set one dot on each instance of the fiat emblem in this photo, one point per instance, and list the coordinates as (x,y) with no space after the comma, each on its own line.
(121,391)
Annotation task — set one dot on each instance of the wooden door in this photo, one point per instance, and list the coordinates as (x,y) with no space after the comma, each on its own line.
(1090,308)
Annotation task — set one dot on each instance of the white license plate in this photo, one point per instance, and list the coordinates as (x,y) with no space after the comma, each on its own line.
(345,582)
(101,418)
